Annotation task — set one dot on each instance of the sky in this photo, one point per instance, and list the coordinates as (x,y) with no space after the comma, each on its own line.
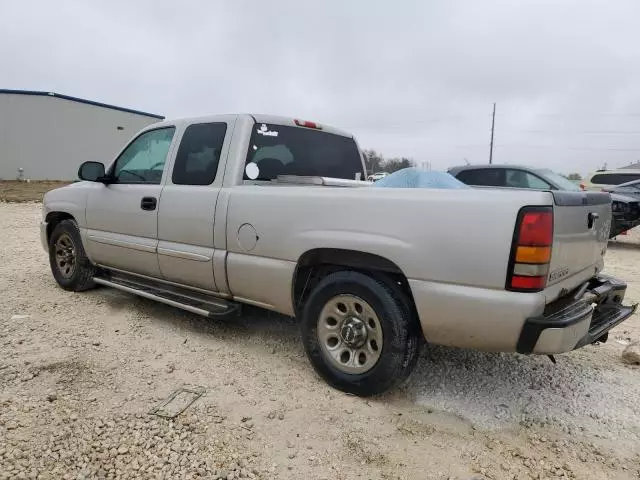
(408,78)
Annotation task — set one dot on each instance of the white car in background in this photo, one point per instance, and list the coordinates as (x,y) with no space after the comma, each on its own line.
(377,176)
(607,179)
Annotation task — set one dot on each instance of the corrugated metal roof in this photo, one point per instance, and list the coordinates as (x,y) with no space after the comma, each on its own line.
(80,100)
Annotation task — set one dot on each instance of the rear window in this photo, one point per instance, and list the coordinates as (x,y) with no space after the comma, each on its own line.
(614,178)
(282,150)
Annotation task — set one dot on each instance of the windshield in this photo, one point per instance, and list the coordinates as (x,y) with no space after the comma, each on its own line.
(282,150)
(561,182)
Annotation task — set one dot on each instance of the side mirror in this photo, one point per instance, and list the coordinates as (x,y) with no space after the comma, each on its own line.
(91,171)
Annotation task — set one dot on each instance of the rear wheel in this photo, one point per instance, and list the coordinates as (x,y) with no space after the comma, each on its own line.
(360,333)
(69,263)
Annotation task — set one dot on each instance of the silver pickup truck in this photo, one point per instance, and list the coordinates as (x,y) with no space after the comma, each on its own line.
(207,214)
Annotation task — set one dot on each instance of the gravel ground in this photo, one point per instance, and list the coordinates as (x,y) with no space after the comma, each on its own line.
(79,374)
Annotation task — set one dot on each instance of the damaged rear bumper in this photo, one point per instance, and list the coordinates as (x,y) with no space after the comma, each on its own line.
(578,319)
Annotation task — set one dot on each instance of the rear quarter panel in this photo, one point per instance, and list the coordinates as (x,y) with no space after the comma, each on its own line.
(459,237)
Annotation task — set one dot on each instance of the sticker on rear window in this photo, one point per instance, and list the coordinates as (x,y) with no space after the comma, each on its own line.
(264,130)
(252,171)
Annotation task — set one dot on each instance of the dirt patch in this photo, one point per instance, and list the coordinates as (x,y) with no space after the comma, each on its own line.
(15,191)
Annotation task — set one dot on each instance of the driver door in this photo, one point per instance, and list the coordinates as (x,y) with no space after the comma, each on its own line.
(122,217)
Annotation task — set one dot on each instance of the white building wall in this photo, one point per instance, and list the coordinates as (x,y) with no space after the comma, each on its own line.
(49,137)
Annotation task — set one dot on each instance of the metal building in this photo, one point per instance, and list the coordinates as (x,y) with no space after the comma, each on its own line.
(49,135)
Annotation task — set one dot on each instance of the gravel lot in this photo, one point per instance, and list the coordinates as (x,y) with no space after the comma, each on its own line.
(79,374)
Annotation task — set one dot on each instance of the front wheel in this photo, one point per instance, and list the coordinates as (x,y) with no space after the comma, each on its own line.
(360,333)
(69,263)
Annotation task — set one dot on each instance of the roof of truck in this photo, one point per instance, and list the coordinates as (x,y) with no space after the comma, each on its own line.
(263,118)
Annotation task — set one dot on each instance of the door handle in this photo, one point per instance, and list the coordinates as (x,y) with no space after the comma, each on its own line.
(591,219)
(148,203)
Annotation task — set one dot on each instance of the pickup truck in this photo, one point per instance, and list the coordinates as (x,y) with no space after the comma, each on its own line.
(208,214)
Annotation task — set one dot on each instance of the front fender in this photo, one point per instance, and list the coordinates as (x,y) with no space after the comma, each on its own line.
(71,200)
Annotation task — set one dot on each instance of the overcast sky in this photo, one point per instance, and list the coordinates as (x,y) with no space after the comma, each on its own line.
(409,78)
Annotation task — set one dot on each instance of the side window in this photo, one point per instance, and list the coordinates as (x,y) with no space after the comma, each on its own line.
(599,179)
(199,154)
(489,177)
(144,159)
(522,179)
(537,183)
(614,178)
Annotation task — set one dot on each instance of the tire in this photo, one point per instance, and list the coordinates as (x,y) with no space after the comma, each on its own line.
(399,335)
(74,272)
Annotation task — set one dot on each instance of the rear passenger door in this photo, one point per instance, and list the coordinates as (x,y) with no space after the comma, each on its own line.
(188,202)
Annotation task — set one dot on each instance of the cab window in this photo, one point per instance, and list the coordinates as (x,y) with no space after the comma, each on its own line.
(144,159)
(199,154)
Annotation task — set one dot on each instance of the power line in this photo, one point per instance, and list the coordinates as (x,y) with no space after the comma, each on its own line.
(588,132)
(542,147)
(380,129)
(579,114)
(562,147)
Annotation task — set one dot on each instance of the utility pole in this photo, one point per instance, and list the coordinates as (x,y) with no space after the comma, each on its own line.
(493,126)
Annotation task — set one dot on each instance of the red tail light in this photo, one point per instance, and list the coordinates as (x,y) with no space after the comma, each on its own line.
(307,124)
(531,250)
(528,283)
(536,229)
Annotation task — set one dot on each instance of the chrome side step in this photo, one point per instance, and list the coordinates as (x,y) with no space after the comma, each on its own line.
(194,302)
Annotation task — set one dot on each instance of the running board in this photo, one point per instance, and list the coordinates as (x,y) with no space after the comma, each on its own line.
(194,302)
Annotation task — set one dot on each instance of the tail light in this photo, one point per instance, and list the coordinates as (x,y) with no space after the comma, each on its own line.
(531,250)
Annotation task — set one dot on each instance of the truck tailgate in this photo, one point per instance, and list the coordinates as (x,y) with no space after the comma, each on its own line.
(580,233)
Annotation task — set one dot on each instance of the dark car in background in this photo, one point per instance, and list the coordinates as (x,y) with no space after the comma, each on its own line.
(625,207)
(629,189)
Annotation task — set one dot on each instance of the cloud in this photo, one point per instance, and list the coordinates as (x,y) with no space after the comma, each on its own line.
(411,78)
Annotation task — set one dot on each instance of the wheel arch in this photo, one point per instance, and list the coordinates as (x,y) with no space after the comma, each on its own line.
(315,264)
(54,218)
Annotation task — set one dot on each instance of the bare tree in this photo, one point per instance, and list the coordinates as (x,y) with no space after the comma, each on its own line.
(373,161)
(395,164)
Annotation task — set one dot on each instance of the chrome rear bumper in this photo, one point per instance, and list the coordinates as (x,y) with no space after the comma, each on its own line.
(578,319)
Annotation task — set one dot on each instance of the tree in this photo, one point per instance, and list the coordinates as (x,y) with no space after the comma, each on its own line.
(373,161)
(395,164)
(574,176)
